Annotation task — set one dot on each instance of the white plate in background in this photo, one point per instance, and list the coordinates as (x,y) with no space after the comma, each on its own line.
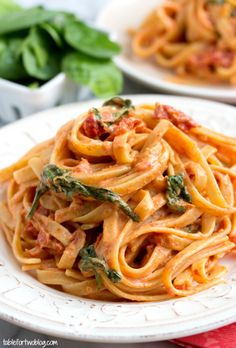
(120,15)
(28,303)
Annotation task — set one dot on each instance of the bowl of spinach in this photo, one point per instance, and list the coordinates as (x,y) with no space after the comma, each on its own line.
(43,52)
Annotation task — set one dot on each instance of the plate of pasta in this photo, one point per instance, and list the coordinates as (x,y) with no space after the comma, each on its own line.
(119,215)
(183,47)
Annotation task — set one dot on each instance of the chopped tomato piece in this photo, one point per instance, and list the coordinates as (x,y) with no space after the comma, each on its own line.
(211,58)
(178,118)
(95,127)
(91,127)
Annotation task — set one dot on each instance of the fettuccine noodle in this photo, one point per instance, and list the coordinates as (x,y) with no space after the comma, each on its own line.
(134,203)
(192,37)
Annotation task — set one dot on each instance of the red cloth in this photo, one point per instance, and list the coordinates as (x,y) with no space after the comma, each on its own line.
(225,337)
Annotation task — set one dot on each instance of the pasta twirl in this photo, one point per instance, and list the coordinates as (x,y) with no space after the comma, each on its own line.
(125,202)
(192,37)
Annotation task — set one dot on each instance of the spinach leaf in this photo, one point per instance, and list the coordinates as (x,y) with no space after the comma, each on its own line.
(61,181)
(8,6)
(52,32)
(60,21)
(39,57)
(119,102)
(102,76)
(177,193)
(91,262)
(11,67)
(216,2)
(90,41)
(33,85)
(18,20)
(125,106)
(194,228)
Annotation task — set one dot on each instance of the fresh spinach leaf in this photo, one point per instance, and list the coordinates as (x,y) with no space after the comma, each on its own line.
(33,85)
(40,59)
(52,32)
(48,37)
(11,67)
(60,21)
(102,76)
(18,20)
(89,40)
(9,6)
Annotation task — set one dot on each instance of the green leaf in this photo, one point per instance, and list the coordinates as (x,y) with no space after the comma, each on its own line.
(52,32)
(9,6)
(40,190)
(216,2)
(102,76)
(61,181)
(60,21)
(91,262)
(33,85)
(90,41)
(177,193)
(39,56)
(18,20)
(11,67)
(119,102)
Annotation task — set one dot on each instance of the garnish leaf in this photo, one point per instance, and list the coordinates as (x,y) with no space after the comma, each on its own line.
(59,180)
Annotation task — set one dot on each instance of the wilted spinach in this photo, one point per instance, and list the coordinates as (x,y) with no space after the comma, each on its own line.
(61,181)
(91,262)
(177,193)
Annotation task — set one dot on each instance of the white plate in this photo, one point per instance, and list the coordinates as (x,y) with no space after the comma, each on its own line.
(26,302)
(119,16)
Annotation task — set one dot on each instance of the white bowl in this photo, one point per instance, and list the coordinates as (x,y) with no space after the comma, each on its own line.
(17,101)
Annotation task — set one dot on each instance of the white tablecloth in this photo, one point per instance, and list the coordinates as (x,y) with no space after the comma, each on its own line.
(86,9)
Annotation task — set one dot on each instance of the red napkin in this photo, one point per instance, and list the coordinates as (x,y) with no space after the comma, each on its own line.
(224,337)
